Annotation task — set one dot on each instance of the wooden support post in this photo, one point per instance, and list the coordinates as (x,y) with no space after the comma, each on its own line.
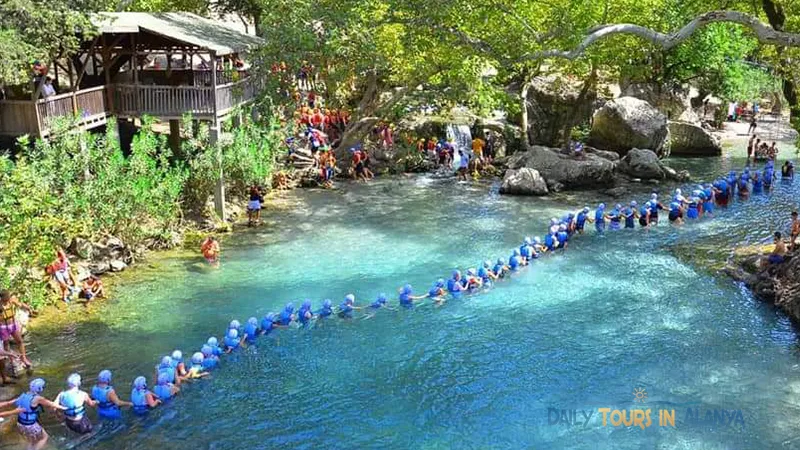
(175,136)
(213,138)
(106,55)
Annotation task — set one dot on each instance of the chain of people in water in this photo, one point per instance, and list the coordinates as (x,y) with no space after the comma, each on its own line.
(172,371)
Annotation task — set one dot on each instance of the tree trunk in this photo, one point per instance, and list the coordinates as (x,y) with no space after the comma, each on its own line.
(257,23)
(777,19)
(523,122)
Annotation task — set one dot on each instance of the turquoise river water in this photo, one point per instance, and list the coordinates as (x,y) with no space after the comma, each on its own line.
(576,331)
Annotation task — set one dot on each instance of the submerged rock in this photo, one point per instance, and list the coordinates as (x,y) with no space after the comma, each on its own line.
(524,181)
(692,140)
(627,123)
(562,170)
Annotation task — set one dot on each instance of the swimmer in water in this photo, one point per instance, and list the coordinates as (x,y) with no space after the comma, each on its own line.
(380,302)
(214,344)
(167,366)
(197,370)
(743,184)
(327,308)
(526,249)
(28,409)
(500,268)
(551,240)
(644,214)
(562,236)
(581,219)
(515,261)
(769,174)
(629,214)
(348,306)
(210,360)
(251,330)
(407,297)
(75,401)
(287,315)
(143,400)
(232,340)
(485,272)
(758,184)
(454,284)
(675,213)
(693,208)
(304,314)
(437,292)
(538,247)
(655,207)
(178,365)
(615,218)
(210,250)
(709,195)
(599,218)
(473,280)
(108,403)
(164,390)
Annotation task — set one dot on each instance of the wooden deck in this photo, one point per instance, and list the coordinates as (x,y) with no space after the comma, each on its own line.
(90,107)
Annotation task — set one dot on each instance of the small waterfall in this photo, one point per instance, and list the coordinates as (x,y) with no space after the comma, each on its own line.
(461,137)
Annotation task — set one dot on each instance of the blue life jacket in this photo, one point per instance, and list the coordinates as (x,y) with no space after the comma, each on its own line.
(513,262)
(325,311)
(139,400)
(229,342)
(285,317)
(525,251)
(599,215)
(643,211)
(549,242)
(73,401)
(580,220)
(250,331)
(170,371)
(483,273)
(563,237)
(29,415)
(163,392)
(742,183)
(629,222)
(266,325)
(209,363)
(498,269)
(451,285)
(100,394)
(769,173)
(758,185)
(434,292)
(345,309)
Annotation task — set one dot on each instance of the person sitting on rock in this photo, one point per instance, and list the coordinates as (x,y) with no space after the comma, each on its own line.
(778,254)
(92,288)
(795,231)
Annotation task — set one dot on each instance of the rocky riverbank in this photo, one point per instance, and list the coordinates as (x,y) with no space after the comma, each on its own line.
(778,284)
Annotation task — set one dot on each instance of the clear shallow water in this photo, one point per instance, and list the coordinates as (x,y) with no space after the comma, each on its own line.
(576,331)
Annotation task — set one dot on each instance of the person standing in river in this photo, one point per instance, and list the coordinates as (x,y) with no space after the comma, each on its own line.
(795,231)
(29,406)
(9,327)
(750,146)
(753,124)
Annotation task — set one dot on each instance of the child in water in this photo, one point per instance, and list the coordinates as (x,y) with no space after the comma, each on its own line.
(210,250)
(28,407)
(197,370)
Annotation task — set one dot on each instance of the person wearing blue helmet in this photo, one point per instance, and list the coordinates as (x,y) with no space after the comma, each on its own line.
(526,249)
(655,207)
(615,217)
(768,174)
(108,403)
(437,292)
(486,273)
(675,213)
(379,302)
(287,315)
(600,218)
(454,284)
(143,400)
(178,365)
(515,261)
(709,194)
(168,367)
(235,325)
(28,408)
(407,296)
(164,390)
(214,344)
(722,192)
(75,401)
(581,219)
(644,214)
(551,240)
(197,370)
(348,306)
(210,360)
(693,207)
(562,236)
(251,330)
(500,268)
(743,184)
(538,247)
(758,184)
(473,280)
(570,223)
(327,308)
(304,314)
(232,340)
(629,214)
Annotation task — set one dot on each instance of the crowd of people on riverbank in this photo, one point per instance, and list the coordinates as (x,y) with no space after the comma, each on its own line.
(172,371)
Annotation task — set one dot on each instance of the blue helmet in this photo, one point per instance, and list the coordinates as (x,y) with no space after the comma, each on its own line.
(501,261)
(472,272)
(537,240)
(585,209)
(206,350)
(527,241)
(289,307)
(327,303)
(74,380)
(140,383)
(104,376)
(601,206)
(381,298)
(406,288)
(167,361)
(212,341)
(487,263)
(37,385)
(634,204)
(306,305)
(440,282)
(233,334)
(270,317)
(516,252)
(197,358)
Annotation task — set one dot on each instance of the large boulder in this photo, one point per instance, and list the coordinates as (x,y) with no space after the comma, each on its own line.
(562,170)
(523,181)
(671,102)
(626,123)
(691,140)
(643,164)
(556,104)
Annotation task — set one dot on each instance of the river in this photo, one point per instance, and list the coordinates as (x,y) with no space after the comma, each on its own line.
(576,331)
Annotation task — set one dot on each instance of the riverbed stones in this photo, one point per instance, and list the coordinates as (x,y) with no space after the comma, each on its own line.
(117,265)
(565,171)
(687,139)
(626,123)
(524,181)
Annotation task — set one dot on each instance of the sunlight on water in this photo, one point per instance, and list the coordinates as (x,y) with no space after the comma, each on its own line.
(579,330)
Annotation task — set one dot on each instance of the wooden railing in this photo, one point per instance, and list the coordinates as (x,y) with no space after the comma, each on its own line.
(84,104)
(233,94)
(163,101)
(18,117)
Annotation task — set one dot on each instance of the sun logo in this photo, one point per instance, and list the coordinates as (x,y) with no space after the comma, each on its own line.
(639,395)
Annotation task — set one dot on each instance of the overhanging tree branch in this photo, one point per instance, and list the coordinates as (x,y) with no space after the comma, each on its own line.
(763,32)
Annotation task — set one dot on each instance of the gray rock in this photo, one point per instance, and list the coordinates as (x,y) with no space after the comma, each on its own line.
(117,265)
(671,102)
(642,164)
(627,123)
(692,140)
(99,267)
(611,156)
(523,181)
(82,272)
(564,170)
(82,248)
(114,243)
(555,104)
(616,192)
